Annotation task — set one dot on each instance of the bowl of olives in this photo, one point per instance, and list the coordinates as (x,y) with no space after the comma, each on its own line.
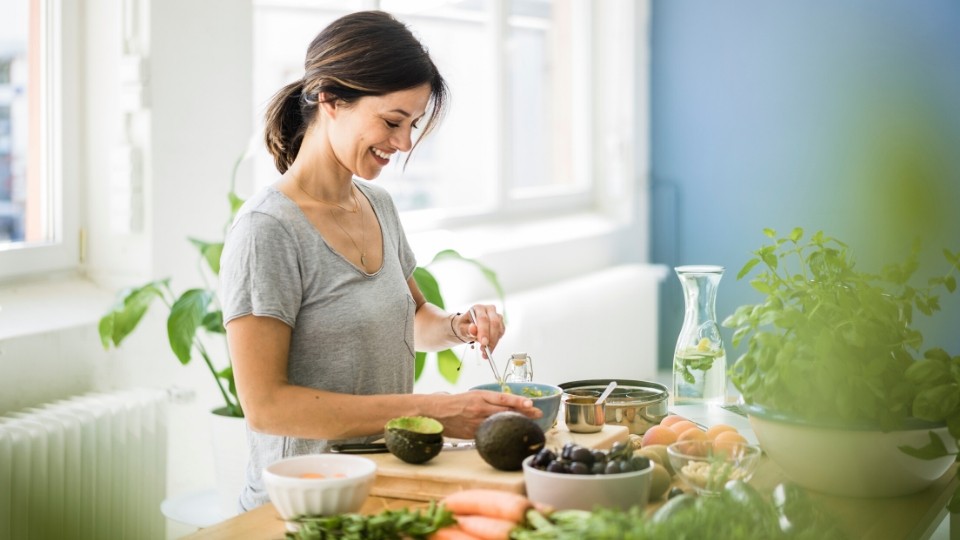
(577,477)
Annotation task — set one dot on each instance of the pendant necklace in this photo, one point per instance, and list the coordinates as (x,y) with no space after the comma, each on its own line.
(363,231)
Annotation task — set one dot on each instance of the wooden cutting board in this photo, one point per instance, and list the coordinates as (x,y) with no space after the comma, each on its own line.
(457,469)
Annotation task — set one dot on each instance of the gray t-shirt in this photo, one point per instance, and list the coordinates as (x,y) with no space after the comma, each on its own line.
(352,331)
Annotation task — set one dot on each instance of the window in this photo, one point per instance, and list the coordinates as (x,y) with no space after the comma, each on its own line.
(517,138)
(38,209)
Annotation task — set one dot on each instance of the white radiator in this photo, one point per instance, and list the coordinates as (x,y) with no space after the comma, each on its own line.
(90,467)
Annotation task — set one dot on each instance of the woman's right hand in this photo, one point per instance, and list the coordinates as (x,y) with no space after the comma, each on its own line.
(462,414)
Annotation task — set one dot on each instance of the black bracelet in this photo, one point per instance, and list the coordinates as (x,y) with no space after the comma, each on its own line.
(454,330)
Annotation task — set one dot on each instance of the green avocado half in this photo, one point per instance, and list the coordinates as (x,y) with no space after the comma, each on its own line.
(414,439)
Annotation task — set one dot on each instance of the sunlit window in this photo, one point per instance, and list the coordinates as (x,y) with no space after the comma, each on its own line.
(37,227)
(516,137)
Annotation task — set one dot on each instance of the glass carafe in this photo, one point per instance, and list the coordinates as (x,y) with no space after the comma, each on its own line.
(699,360)
(519,368)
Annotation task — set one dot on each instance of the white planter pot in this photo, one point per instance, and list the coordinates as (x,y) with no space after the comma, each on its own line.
(850,462)
(230,455)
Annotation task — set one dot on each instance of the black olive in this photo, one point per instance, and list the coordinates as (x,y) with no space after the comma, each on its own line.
(577,467)
(543,458)
(567,450)
(557,467)
(612,467)
(599,456)
(598,467)
(639,463)
(582,455)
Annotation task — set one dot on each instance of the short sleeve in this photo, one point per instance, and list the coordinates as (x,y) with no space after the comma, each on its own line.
(260,270)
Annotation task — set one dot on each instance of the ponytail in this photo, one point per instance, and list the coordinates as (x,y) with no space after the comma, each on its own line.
(285,124)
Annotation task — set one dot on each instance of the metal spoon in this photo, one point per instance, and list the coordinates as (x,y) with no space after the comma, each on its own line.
(606,392)
(493,366)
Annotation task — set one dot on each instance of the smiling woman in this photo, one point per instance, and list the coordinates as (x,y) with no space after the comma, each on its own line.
(322,311)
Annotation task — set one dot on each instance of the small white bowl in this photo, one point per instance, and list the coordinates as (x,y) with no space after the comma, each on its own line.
(585,491)
(344,486)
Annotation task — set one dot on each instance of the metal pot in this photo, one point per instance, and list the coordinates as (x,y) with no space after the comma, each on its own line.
(635,404)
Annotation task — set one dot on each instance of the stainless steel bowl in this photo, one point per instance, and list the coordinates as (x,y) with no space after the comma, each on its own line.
(582,414)
(635,404)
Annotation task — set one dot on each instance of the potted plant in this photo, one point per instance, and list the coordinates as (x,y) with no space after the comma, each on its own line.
(833,365)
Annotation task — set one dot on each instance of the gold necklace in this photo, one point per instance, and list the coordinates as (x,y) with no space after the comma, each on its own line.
(354,211)
(363,232)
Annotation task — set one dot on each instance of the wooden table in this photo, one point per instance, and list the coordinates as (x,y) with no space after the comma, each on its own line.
(912,517)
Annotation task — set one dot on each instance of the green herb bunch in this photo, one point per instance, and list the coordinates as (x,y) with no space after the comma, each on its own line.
(738,512)
(389,524)
(832,343)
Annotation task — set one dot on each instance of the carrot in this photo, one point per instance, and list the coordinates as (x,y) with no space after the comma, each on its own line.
(451,532)
(488,502)
(486,528)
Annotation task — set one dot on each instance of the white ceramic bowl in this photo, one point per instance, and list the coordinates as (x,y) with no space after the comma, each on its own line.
(707,469)
(850,462)
(586,491)
(344,486)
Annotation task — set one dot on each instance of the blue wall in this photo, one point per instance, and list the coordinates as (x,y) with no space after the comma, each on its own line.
(834,116)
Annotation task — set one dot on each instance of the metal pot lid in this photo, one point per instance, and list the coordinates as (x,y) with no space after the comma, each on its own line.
(627,391)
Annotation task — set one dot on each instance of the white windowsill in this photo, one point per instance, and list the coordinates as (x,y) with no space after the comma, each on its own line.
(51,304)
(60,302)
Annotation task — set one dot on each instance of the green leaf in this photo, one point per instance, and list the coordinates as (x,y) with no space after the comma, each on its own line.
(419,360)
(213,322)
(235,203)
(937,403)
(186,315)
(210,252)
(449,365)
(929,372)
(936,353)
(770,233)
(761,286)
(936,449)
(747,267)
(950,283)
(428,286)
(796,234)
(488,273)
(130,309)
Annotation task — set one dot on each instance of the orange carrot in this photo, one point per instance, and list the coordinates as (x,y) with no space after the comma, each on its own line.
(451,532)
(486,528)
(488,502)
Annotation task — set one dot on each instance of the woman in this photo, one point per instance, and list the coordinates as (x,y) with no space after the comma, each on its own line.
(320,306)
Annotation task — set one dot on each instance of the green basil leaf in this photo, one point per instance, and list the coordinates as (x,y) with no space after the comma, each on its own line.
(928,372)
(747,267)
(937,403)
(935,449)
(770,233)
(796,234)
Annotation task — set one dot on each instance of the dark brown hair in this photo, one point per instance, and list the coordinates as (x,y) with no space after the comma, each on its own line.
(367,53)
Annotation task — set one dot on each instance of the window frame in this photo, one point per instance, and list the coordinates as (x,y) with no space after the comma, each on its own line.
(60,148)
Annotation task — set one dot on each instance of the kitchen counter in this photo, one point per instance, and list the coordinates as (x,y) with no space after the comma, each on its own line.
(912,517)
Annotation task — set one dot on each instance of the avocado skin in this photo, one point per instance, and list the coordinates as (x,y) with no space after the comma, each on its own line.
(506,438)
(412,446)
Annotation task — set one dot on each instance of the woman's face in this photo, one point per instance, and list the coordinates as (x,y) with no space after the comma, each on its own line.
(366,134)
